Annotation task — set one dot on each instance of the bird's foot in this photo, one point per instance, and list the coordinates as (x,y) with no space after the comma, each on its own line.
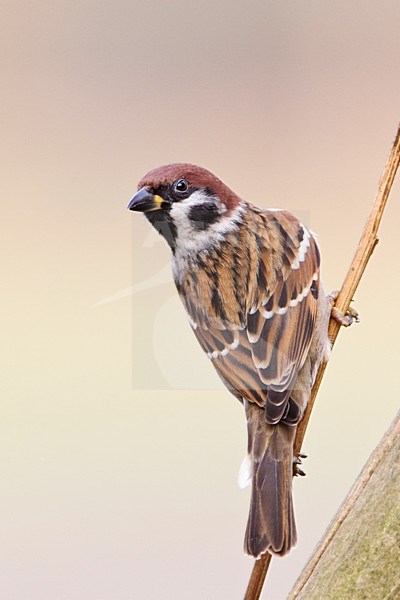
(348,318)
(297,470)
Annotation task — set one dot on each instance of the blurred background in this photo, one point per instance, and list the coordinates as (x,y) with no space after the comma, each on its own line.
(119,447)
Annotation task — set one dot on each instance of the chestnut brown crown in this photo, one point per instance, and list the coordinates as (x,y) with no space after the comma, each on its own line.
(197,177)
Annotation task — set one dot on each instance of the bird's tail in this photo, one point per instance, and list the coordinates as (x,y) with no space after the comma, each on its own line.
(271,526)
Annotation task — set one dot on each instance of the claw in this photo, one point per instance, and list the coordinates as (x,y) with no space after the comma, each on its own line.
(353,313)
(299,472)
(351,316)
(347,319)
(297,461)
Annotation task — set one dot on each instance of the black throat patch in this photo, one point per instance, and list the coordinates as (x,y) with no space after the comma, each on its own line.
(164,224)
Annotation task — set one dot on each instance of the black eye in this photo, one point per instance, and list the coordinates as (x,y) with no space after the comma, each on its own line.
(181,186)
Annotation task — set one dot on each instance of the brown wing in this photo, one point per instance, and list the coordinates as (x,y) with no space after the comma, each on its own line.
(259,358)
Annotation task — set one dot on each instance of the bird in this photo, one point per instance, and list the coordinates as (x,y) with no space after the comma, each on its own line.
(249,279)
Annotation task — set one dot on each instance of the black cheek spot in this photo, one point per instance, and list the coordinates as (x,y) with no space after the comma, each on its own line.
(203,215)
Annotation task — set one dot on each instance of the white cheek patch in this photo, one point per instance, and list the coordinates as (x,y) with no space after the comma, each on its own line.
(180,215)
(191,239)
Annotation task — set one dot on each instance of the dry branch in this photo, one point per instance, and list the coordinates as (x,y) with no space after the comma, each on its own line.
(365,248)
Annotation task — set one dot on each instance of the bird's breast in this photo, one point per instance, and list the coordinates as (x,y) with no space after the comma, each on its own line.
(214,285)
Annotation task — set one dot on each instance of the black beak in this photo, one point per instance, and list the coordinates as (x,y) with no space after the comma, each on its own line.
(145,201)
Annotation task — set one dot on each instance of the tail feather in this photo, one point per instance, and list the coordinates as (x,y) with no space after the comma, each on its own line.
(271,525)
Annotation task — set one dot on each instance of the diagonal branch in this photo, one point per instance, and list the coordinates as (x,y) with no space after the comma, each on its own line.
(368,241)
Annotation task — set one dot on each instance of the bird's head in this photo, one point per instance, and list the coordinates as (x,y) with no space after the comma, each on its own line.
(189,206)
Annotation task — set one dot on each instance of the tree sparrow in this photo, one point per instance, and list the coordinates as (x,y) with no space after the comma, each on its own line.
(249,279)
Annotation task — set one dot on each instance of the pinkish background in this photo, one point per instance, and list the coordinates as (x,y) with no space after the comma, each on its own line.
(119,447)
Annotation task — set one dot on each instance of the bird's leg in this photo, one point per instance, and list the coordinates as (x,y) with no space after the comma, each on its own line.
(351,316)
(297,470)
